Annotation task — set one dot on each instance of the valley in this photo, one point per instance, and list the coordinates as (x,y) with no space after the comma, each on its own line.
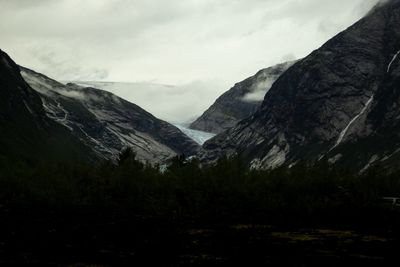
(296,165)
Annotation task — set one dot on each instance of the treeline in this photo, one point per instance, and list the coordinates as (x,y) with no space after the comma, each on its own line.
(227,191)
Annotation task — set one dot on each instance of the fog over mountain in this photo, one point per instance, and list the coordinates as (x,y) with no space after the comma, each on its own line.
(176,104)
(169,42)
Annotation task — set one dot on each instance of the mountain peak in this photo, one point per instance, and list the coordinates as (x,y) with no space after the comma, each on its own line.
(339,96)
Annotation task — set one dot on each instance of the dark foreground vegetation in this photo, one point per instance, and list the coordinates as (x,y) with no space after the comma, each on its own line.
(125,214)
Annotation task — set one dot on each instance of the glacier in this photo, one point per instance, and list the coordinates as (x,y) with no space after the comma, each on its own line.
(199,137)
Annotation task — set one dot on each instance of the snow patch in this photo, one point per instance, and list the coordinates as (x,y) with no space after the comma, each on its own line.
(53,112)
(391,155)
(65,119)
(373,159)
(392,61)
(335,159)
(345,130)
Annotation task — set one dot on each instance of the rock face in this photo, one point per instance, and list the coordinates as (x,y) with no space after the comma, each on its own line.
(107,123)
(25,131)
(240,102)
(341,103)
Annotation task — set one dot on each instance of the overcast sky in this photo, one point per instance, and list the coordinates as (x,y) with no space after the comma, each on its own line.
(175,42)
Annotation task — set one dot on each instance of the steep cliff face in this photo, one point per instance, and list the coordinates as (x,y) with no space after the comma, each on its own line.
(107,123)
(340,103)
(240,102)
(25,131)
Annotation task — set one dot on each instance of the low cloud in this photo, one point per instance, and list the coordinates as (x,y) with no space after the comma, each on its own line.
(78,95)
(175,104)
(58,66)
(258,91)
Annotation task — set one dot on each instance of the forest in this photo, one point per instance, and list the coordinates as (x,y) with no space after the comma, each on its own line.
(117,203)
(186,191)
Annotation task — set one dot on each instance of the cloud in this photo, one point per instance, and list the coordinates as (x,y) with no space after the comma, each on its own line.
(169,42)
(176,104)
(258,91)
(58,63)
(288,57)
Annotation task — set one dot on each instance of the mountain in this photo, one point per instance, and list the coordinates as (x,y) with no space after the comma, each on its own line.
(341,104)
(26,133)
(107,123)
(240,102)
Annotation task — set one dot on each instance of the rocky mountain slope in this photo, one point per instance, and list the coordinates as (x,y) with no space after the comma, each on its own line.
(26,133)
(107,123)
(341,103)
(240,102)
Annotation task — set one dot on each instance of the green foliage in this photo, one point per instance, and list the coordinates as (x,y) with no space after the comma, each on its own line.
(226,191)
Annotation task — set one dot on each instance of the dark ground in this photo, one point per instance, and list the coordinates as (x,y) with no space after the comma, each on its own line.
(99,239)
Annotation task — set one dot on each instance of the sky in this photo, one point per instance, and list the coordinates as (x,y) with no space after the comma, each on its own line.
(205,45)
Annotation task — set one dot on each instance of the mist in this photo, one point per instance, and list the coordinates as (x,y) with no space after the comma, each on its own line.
(176,104)
(258,91)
